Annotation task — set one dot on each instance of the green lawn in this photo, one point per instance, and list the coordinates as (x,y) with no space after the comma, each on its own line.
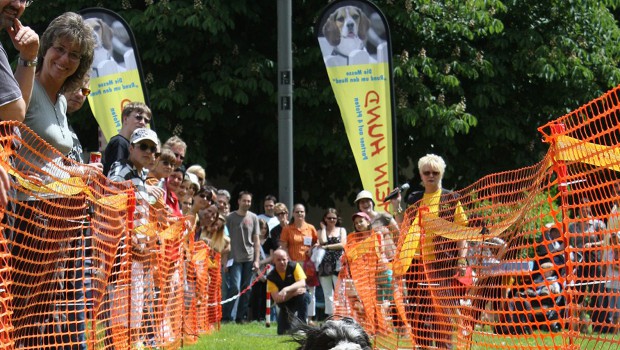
(251,336)
(255,336)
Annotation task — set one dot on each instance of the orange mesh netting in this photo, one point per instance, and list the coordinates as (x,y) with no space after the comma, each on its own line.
(70,275)
(521,259)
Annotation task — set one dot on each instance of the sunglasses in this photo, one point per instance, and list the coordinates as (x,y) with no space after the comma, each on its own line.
(179,156)
(208,196)
(85,91)
(281,213)
(144,147)
(299,212)
(140,117)
(167,163)
(331,218)
(428,173)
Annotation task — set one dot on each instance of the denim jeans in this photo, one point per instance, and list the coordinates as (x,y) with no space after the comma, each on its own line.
(240,276)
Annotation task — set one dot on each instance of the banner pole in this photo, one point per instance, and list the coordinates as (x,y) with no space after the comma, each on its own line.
(285,103)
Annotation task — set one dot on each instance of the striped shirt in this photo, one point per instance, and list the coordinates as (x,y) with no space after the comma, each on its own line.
(124,170)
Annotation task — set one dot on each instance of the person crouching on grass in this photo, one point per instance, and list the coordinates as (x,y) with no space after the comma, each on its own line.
(287,286)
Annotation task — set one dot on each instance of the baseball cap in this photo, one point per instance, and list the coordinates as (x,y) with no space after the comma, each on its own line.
(144,134)
(362,215)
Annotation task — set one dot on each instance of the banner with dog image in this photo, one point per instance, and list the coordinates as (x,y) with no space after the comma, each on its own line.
(116,75)
(355,43)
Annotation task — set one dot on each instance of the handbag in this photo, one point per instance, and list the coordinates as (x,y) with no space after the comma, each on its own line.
(317,256)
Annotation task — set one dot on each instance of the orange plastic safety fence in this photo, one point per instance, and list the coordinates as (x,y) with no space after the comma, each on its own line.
(523,259)
(208,287)
(75,272)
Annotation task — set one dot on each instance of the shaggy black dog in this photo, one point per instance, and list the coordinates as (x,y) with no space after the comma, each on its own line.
(334,334)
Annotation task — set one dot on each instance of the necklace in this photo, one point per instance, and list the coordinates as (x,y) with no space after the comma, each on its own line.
(54,107)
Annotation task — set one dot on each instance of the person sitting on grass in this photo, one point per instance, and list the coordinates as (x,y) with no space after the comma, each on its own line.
(287,286)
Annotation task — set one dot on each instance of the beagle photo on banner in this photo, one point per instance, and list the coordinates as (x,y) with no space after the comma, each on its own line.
(352,35)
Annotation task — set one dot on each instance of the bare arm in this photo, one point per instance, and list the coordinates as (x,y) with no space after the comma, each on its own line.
(343,241)
(267,260)
(26,41)
(397,209)
(4,186)
(323,236)
(256,252)
(15,110)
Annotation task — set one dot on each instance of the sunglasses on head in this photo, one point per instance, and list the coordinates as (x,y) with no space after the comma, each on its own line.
(143,147)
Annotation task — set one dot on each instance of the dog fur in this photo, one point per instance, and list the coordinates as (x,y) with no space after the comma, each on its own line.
(334,334)
(346,29)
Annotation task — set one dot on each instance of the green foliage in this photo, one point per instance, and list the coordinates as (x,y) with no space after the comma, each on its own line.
(473,80)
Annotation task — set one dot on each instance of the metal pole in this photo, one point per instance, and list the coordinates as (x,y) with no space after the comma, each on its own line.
(285,103)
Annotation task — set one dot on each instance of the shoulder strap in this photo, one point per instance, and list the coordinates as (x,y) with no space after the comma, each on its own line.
(414,197)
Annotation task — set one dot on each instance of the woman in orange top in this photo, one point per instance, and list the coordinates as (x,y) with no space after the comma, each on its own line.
(297,238)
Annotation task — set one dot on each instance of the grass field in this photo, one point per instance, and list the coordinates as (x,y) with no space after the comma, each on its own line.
(255,336)
(250,336)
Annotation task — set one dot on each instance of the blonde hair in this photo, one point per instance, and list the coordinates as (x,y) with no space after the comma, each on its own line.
(280,207)
(434,162)
(175,141)
(219,241)
(199,171)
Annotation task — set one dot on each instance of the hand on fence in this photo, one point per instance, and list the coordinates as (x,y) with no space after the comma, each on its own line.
(5,185)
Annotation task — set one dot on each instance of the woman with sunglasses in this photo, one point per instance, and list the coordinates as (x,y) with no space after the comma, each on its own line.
(157,176)
(333,238)
(439,259)
(281,213)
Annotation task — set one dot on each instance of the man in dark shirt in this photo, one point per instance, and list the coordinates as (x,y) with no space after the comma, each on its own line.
(135,115)
(287,285)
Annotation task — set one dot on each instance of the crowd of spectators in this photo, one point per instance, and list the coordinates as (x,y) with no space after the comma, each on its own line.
(290,256)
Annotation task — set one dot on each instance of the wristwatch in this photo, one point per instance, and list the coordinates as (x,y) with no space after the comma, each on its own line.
(25,63)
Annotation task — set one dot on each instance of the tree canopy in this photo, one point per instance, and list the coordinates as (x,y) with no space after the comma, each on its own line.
(473,81)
